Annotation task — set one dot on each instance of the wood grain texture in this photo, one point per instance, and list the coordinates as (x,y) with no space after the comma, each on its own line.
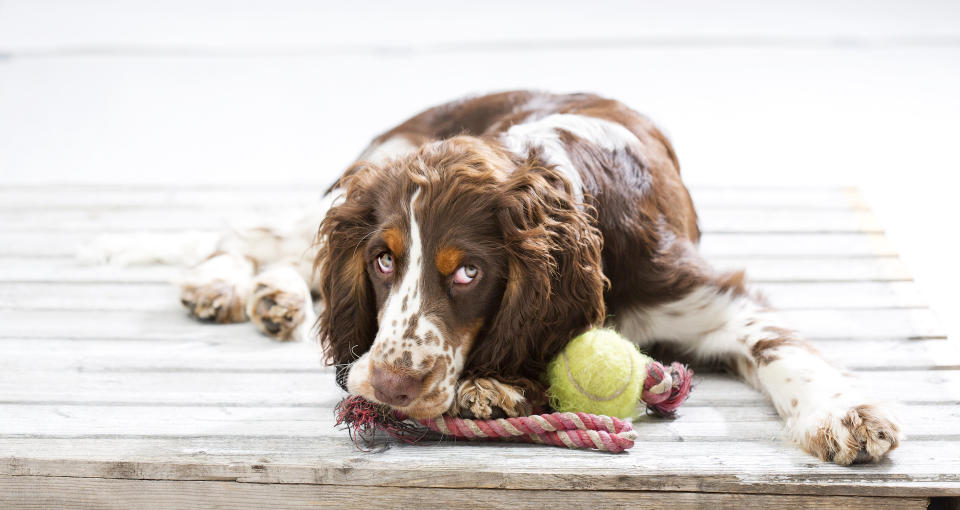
(316,388)
(53,196)
(67,243)
(150,296)
(239,349)
(64,268)
(748,422)
(110,395)
(269,211)
(31,492)
(914,323)
(920,468)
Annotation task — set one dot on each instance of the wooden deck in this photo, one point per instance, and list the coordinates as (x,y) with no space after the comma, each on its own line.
(111,397)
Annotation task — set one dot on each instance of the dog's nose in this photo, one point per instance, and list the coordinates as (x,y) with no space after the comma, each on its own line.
(394,389)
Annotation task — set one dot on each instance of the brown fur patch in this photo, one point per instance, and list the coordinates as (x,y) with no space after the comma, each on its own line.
(484,397)
(448,259)
(764,351)
(394,240)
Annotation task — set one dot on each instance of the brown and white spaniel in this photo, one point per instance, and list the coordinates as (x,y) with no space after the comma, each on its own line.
(467,245)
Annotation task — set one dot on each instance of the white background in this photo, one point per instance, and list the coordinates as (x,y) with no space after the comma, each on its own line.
(751,92)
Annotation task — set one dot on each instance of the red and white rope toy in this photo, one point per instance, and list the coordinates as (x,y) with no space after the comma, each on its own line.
(573,430)
(663,391)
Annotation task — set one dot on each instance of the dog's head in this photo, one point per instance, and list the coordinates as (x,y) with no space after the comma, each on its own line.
(458,255)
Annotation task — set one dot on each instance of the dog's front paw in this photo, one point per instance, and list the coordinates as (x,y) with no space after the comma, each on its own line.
(215,301)
(485,398)
(849,434)
(280,305)
(216,290)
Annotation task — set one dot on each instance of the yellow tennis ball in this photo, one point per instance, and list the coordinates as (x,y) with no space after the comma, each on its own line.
(598,372)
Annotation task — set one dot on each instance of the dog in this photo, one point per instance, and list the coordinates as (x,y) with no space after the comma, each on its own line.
(469,244)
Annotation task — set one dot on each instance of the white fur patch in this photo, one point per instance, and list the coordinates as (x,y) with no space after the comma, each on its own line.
(390,148)
(405,303)
(543,134)
(806,391)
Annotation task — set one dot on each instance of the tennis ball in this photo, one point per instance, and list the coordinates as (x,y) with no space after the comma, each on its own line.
(598,372)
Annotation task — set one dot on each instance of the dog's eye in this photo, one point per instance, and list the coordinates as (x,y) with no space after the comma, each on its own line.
(385,263)
(465,274)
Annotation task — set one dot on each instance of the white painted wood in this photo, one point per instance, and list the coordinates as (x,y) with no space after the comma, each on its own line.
(242,350)
(830,324)
(317,388)
(165,296)
(696,423)
(101,198)
(67,269)
(923,468)
(757,245)
(813,269)
(759,269)
(92,296)
(32,492)
(712,219)
(235,350)
(862,294)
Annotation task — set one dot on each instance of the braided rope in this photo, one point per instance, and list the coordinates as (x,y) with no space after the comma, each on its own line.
(665,388)
(572,430)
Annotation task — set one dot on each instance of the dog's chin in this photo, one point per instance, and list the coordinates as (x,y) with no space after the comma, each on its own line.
(424,411)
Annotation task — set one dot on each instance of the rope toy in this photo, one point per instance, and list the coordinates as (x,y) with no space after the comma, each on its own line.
(574,395)
(601,372)
(573,430)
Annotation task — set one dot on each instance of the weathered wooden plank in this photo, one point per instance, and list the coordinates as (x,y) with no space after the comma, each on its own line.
(70,243)
(756,245)
(815,268)
(769,197)
(66,269)
(712,220)
(696,423)
(840,295)
(36,492)
(174,324)
(862,355)
(47,197)
(164,296)
(242,350)
(236,350)
(92,296)
(925,468)
(284,388)
(131,198)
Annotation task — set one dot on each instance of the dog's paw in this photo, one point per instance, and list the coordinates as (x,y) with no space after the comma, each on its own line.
(214,301)
(280,305)
(216,290)
(485,398)
(849,434)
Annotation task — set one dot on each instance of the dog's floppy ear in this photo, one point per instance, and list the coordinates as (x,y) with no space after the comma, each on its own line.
(348,322)
(555,283)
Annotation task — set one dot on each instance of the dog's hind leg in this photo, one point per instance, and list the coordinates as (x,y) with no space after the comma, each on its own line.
(825,412)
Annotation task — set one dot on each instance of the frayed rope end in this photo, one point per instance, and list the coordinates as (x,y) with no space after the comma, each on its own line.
(666,388)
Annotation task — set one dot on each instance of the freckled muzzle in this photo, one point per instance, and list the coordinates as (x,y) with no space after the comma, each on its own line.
(395,389)
(423,393)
